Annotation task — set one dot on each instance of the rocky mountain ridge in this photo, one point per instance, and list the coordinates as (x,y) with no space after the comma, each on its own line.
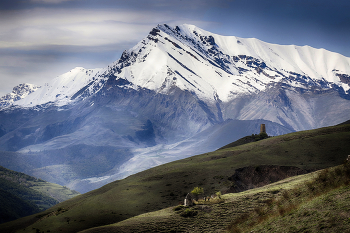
(214,67)
(19,92)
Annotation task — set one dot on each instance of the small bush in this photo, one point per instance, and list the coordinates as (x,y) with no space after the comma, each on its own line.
(189,213)
(179,207)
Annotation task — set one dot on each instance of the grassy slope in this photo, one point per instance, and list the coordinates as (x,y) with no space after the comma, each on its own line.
(23,194)
(166,185)
(323,211)
(327,213)
(212,216)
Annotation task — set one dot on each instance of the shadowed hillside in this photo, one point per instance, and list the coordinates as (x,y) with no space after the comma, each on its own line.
(22,195)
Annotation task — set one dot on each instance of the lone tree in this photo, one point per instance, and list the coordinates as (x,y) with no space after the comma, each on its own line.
(197,191)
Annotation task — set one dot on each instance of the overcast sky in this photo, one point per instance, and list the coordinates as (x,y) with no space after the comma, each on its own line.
(41,39)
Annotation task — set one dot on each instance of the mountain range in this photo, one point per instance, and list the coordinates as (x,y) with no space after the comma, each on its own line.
(180,91)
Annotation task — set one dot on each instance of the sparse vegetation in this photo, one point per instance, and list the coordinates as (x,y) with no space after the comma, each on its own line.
(266,209)
(260,136)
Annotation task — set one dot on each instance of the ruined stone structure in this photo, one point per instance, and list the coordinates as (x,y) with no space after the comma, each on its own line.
(188,200)
(262,128)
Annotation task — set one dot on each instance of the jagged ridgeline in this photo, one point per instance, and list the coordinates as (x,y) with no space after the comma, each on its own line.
(178,92)
(233,169)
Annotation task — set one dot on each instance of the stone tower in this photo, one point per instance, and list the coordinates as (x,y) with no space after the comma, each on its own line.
(262,128)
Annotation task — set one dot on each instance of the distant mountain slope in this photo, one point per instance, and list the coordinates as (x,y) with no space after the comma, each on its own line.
(166,185)
(60,90)
(22,195)
(19,92)
(178,92)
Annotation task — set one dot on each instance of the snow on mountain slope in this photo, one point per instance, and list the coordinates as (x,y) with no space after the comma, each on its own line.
(19,92)
(316,63)
(214,66)
(60,90)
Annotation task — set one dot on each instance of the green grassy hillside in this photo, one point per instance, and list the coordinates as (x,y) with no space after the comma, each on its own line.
(23,195)
(317,202)
(166,185)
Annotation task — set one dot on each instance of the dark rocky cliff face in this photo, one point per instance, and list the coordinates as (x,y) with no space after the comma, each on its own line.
(253,177)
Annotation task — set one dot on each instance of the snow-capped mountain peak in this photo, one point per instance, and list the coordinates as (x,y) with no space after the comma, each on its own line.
(214,66)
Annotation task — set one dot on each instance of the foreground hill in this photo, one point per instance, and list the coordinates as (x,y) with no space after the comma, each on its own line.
(22,195)
(316,202)
(166,185)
